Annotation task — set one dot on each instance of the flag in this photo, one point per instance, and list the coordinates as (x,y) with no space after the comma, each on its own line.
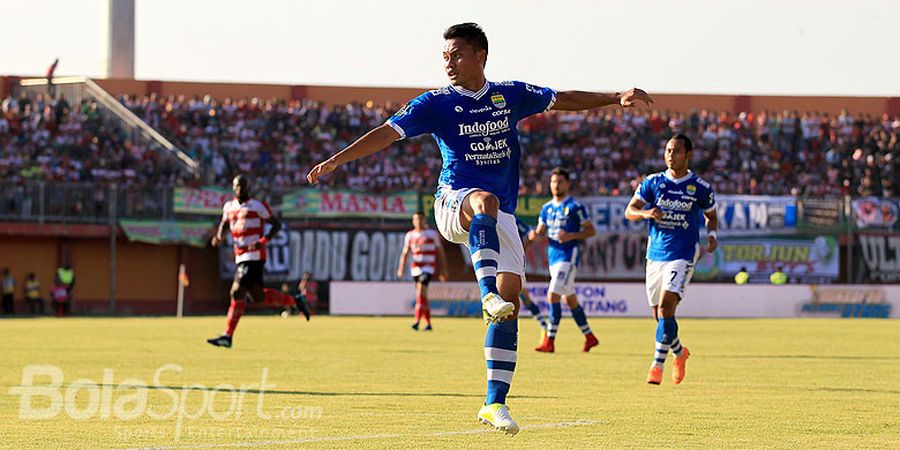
(183,277)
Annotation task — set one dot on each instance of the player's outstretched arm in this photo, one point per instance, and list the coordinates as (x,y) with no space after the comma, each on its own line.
(372,142)
(581,100)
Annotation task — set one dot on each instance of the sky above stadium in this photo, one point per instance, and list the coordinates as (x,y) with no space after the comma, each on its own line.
(801,47)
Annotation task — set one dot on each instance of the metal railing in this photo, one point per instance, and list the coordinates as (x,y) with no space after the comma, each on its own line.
(40,201)
(77,89)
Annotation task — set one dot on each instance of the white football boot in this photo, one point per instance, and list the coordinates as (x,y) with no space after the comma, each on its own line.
(495,309)
(497,416)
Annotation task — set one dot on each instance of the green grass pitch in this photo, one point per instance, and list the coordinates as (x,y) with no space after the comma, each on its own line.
(355,382)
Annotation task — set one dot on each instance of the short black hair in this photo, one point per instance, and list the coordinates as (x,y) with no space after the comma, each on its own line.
(688,145)
(560,171)
(469,32)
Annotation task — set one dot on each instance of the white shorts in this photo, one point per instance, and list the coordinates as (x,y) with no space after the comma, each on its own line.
(562,278)
(667,276)
(447,207)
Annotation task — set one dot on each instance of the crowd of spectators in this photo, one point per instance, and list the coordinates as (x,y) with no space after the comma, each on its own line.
(48,139)
(78,150)
(770,153)
(608,150)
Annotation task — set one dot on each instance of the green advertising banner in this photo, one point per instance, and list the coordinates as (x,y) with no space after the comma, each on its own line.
(528,209)
(194,234)
(346,203)
(205,200)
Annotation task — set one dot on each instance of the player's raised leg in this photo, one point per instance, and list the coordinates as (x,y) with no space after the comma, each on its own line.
(479,215)
(499,261)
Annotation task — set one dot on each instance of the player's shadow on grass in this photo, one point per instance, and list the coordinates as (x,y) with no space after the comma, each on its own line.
(829,357)
(850,389)
(311,393)
(826,357)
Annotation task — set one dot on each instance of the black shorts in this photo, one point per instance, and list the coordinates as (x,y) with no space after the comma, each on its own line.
(249,274)
(423,278)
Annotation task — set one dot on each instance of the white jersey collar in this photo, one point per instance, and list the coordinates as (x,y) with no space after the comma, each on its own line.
(474,94)
(679,180)
(555,203)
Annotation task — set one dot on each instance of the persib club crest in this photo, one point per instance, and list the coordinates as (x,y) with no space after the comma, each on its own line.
(691,189)
(499,101)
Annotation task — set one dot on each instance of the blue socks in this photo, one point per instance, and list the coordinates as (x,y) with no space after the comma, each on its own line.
(484,246)
(500,353)
(555,317)
(581,320)
(666,339)
(535,311)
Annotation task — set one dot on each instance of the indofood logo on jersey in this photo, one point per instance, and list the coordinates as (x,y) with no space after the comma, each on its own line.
(484,128)
(499,101)
(676,205)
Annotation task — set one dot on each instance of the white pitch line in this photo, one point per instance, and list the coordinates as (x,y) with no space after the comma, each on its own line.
(364,437)
(526,427)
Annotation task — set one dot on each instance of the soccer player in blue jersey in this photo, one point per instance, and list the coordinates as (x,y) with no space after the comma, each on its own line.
(473,121)
(567,224)
(678,200)
(524,297)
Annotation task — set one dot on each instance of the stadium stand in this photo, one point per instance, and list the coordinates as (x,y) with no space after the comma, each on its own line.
(769,153)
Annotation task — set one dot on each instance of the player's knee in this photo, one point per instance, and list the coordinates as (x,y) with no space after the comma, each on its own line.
(668,304)
(572,301)
(485,203)
(664,313)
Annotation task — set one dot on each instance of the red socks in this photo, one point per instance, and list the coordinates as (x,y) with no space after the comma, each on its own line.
(235,311)
(422,309)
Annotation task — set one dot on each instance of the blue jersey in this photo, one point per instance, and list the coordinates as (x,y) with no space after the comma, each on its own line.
(682,203)
(524,229)
(476,132)
(567,215)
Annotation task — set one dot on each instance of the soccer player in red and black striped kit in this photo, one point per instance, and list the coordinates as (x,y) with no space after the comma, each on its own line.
(245,217)
(427,255)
